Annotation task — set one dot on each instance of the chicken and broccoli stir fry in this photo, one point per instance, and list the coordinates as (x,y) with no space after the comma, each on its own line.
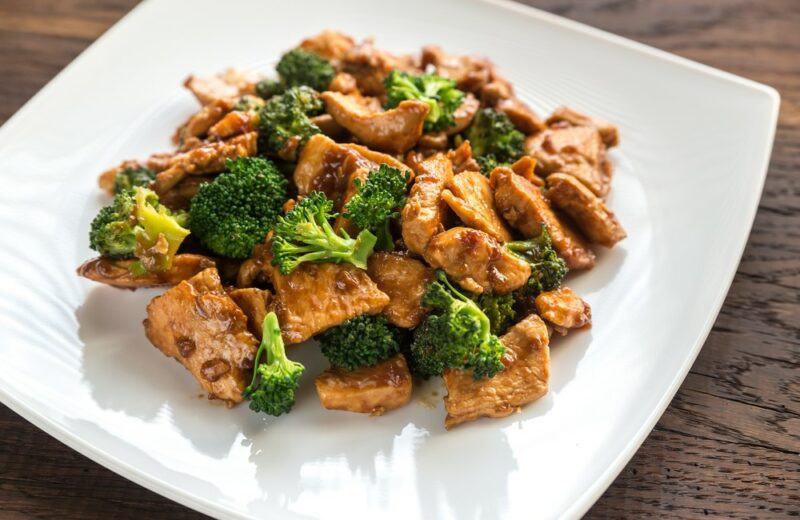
(408,212)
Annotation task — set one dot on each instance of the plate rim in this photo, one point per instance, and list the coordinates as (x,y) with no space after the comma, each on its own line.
(596,489)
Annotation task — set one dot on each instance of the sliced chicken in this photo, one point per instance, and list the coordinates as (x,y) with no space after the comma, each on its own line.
(200,326)
(209,158)
(405,281)
(521,115)
(469,195)
(179,196)
(608,132)
(477,261)
(370,66)
(395,130)
(586,209)
(199,123)
(117,273)
(526,166)
(563,309)
(575,150)
(423,214)
(328,126)
(318,296)
(256,304)
(524,207)
(464,114)
(373,390)
(471,74)
(232,83)
(524,379)
(344,83)
(233,123)
(331,45)
(462,158)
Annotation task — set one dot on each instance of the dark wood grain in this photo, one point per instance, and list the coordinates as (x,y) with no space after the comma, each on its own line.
(729,444)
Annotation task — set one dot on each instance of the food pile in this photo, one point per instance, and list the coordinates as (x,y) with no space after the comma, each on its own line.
(408,212)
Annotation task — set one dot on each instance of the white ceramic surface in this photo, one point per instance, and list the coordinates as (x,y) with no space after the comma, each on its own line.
(695,146)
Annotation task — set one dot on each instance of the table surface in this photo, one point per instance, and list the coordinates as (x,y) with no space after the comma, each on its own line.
(729,443)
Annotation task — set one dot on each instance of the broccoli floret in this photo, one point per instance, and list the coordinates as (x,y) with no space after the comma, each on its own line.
(234,212)
(499,308)
(360,342)
(129,178)
(305,235)
(493,134)
(547,268)
(487,163)
(299,67)
(376,203)
(276,378)
(266,88)
(136,225)
(457,334)
(248,103)
(439,93)
(284,121)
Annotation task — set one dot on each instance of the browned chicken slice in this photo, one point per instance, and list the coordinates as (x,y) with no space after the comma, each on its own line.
(524,207)
(470,74)
(586,209)
(526,166)
(179,196)
(521,115)
(462,158)
(432,142)
(608,132)
(322,163)
(331,45)
(315,297)
(344,83)
(395,130)
(117,273)
(200,326)
(209,158)
(230,84)
(405,281)
(469,195)
(563,309)
(233,123)
(464,114)
(575,150)
(370,66)
(199,123)
(373,390)
(477,261)
(423,214)
(255,303)
(524,379)
(328,126)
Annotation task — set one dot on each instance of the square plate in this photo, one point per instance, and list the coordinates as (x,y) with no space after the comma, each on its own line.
(695,147)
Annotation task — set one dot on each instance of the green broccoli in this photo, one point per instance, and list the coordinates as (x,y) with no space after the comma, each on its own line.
(359,342)
(129,178)
(284,122)
(499,308)
(235,211)
(136,225)
(248,103)
(266,88)
(376,203)
(439,93)
(547,268)
(457,334)
(305,235)
(299,67)
(493,135)
(275,380)
(487,163)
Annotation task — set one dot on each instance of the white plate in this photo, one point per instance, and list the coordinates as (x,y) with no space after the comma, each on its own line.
(695,146)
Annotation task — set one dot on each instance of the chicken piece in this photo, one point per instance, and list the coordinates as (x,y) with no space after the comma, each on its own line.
(563,309)
(433,142)
(370,66)
(209,158)
(232,83)
(179,196)
(470,74)
(586,209)
(344,83)
(526,166)
(405,281)
(317,296)
(525,378)
(608,132)
(524,207)
(575,150)
(328,126)
(464,114)
(423,214)
(199,123)
(521,115)
(233,123)
(320,166)
(495,92)
(200,326)
(256,304)
(469,195)
(462,158)
(477,261)
(117,273)
(331,45)
(373,390)
(396,130)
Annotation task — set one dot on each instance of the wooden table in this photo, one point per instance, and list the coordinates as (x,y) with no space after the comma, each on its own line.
(729,443)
